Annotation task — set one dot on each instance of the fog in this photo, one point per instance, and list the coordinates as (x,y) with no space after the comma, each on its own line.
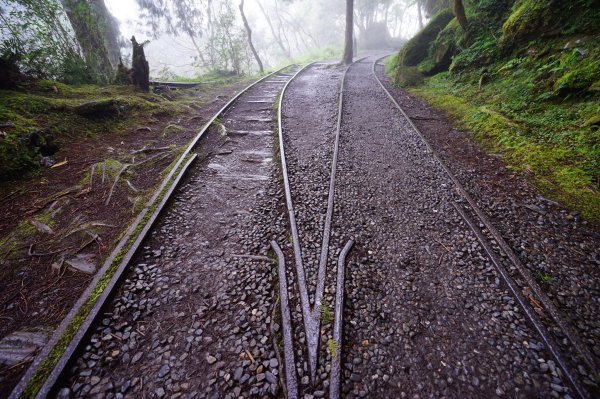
(307,28)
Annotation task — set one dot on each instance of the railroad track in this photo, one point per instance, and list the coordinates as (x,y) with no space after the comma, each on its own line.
(117,264)
(311,314)
(311,309)
(475,224)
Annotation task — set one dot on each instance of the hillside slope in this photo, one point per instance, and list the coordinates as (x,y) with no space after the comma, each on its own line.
(524,78)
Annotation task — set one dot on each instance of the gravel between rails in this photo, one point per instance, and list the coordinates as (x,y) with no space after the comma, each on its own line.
(558,248)
(194,316)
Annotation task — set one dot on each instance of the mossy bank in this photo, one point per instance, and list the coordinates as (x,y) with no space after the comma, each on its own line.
(524,78)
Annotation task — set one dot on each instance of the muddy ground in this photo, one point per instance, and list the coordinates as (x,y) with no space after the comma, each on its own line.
(37,288)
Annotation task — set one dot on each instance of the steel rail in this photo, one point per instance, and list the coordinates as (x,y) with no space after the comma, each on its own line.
(336,357)
(552,310)
(311,315)
(291,382)
(122,245)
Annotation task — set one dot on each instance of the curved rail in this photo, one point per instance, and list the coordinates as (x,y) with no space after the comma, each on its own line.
(514,259)
(142,221)
(311,315)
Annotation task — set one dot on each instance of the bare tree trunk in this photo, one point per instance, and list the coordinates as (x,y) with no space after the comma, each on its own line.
(420,14)
(140,74)
(249,33)
(459,12)
(349,47)
(198,49)
(275,35)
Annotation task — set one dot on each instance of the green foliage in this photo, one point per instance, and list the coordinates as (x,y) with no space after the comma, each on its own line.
(545,278)
(482,52)
(543,139)
(326,313)
(417,48)
(54,107)
(63,43)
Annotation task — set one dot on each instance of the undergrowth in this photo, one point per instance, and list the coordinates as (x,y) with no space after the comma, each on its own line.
(524,79)
(52,108)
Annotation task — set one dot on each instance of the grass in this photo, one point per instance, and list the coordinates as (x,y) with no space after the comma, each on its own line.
(326,313)
(333,347)
(545,278)
(52,107)
(525,113)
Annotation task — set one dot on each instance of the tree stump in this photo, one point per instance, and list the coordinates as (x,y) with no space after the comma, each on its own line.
(140,74)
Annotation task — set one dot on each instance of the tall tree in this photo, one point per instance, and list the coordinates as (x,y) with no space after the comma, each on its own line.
(276,34)
(97,34)
(459,12)
(249,33)
(349,39)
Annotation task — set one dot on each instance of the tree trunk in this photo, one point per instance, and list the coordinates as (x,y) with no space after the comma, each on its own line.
(96,33)
(275,35)
(249,33)
(140,74)
(349,47)
(420,15)
(459,12)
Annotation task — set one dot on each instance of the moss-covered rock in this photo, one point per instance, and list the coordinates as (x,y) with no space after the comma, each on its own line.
(442,49)
(417,48)
(529,18)
(110,108)
(579,79)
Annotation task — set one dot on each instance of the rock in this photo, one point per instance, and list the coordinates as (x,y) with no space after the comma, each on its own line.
(21,346)
(64,393)
(82,263)
(164,370)
(100,109)
(211,359)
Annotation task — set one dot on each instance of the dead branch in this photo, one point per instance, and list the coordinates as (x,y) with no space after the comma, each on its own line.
(117,178)
(53,198)
(150,149)
(132,187)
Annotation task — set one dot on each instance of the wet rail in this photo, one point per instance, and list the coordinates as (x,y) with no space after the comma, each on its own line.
(119,260)
(482,221)
(311,315)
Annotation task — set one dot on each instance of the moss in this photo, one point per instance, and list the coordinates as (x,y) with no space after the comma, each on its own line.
(548,142)
(593,121)
(416,49)
(580,78)
(405,76)
(173,129)
(55,111)
(529,17)
(442,49)
(17,241)
(109,168)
